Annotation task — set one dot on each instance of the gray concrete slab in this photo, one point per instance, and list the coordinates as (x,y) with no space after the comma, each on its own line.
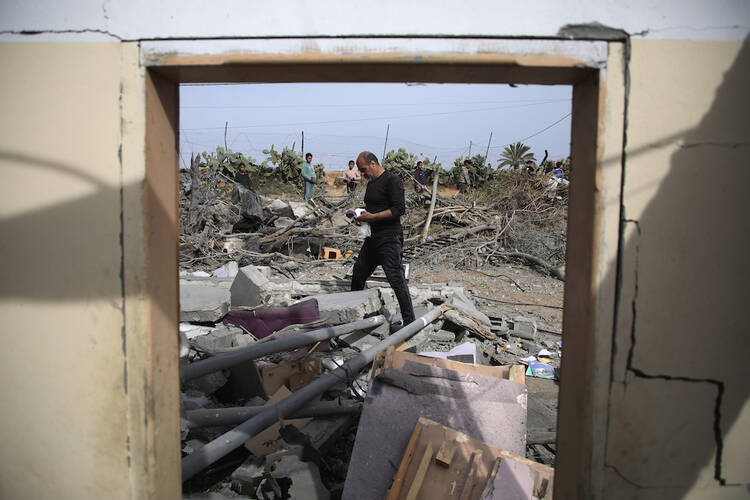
(345,307)
(250,287)
(203,302)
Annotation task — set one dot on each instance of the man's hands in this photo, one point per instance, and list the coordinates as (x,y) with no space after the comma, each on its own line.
(365,217)
(370,217)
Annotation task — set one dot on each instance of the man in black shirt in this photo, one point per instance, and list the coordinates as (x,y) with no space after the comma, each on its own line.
(384,206)
(241,176)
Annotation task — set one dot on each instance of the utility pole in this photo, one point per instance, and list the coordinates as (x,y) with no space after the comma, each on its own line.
(226,124)
(303,142)
(470,144)
(487,153)
(388,129)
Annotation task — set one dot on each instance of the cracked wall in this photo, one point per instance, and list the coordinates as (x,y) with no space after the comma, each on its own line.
(64,429)
(678,422)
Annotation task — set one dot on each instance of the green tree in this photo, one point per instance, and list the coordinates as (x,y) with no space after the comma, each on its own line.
(515,155)
(227,163)
(403,164)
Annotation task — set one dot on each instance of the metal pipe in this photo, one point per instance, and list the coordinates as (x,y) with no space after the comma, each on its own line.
(253,351)
(224,444)
(215,417)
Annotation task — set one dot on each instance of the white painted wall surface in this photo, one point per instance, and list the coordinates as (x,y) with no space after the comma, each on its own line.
(145,19)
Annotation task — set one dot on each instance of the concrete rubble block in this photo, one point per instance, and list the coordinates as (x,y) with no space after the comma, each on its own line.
(305,476)
(247,476)
(283,222)
(280,208)
(466,306)
(192,400)
(389,305)
(207,384)
(219,338)
(360,340)
(323,432)
(228,270)
(250,288)
(443,336)
(346,307)
(203,302)
(524,328)
(300,209)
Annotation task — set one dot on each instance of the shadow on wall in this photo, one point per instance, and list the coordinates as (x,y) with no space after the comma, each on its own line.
(680,370)
(46,258)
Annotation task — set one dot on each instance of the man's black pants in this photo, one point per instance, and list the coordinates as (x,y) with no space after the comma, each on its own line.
(384,250)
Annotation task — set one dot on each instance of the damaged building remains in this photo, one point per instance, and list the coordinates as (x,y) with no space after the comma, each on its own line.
(168,334)
(289,381)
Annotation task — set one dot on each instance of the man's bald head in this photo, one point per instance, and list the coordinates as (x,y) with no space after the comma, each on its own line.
(367,157)
(367,164)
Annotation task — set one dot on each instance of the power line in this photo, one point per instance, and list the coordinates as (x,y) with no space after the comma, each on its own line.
(546,128)
(365,119)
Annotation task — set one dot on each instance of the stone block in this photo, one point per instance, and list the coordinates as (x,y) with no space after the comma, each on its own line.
(360,340)
(346,307)
(282,222)
(300,209)
(250,288)
(208,383)
(305,476)
(524,328)
(280,208)
(443,336)
(203,302)
(219,338)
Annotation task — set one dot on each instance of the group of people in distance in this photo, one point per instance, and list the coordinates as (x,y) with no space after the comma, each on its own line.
(384,206)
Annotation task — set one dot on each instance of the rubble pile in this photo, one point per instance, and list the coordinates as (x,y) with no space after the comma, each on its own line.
(521,221)
(294,387)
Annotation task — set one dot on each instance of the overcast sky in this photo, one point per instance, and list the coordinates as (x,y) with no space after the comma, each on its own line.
(340,120)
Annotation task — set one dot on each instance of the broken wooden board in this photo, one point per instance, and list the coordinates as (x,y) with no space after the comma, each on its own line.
(396,359)
(268,441)
(477,469)
(471,324)
(487,406)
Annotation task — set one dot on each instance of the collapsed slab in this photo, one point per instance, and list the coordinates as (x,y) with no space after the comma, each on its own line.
(485,406)
(346,307)
(203,302)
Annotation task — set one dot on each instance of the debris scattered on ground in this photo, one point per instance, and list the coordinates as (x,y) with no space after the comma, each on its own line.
(279,397)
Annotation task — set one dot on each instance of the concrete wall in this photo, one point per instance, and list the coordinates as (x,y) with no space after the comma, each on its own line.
(679,423)
(64,421)
(89,382)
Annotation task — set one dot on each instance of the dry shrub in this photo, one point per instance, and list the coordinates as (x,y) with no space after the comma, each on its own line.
(539,225)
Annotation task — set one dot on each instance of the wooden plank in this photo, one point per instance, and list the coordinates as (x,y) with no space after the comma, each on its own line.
(446,452)
(398,359)
(416,483)
(471,468)
(471,477)
(490,479)
(398,480)
(517,374)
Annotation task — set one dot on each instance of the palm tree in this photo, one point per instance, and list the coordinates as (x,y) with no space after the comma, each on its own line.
(515,154)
